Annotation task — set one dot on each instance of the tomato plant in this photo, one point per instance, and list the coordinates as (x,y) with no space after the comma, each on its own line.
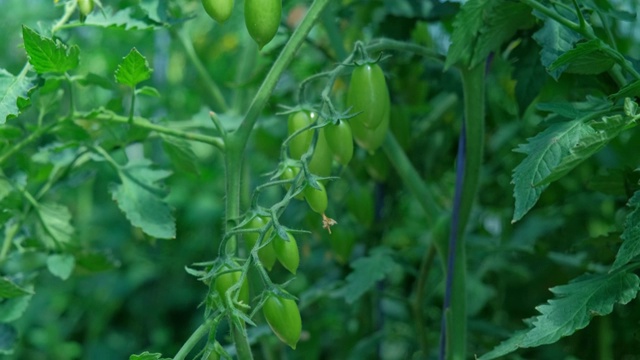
(219,10)
(283,318)
(147,174)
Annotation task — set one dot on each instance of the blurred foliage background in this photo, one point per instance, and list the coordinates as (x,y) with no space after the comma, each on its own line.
(131,293)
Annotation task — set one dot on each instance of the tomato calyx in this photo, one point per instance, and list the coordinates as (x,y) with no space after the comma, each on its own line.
(327,222)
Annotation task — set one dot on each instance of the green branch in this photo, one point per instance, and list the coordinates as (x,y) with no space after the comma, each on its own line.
(145,124)
(210,86)
(26,141)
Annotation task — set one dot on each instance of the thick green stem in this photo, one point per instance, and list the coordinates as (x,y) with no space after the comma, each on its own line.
(412,179)
(283,60)
(193,340)
(473,90)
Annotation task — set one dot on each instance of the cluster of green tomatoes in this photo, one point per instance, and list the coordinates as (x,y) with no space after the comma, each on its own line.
(262,17)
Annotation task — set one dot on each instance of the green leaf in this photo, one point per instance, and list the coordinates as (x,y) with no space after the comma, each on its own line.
(630,247)
(544,152)
(501,24)
(12,89)
(54,225)
(5,188)
(588,144)
(133,69)
(95,79)
(47,55)
(555,40)
(61,265)
(149,91)
(572,309)
(148,356)
(140,198)
(630,90)
(9,289)
(12,309)
(8,338)
(181,154)
(366,272)
(585,58)
(466,28)
(124,18)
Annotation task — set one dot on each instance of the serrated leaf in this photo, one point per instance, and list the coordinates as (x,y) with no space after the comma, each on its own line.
(148,356)
(8,338)
(141,199)
(630,90)
(9,289)
(13,309)
(555,40)
(544,152)
(572,309)
(588,144)
(501,22)
(530,75)
(47,55)
(366,272)
(466,28)
(124,18)
(13,88)
(54,224)
(630,247)
(61,265)
(585,58)
(133,69)
(180,153)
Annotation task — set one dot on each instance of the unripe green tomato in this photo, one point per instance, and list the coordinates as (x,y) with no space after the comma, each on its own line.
(371,139)
(340,141)
(262,18)
(287,253)
(219,10)
(342,241)
(283,318)
(85,6)
(322,158)
(369,95)
(300,144)
(266,254)
(289,174)
(225,281)
(317,199)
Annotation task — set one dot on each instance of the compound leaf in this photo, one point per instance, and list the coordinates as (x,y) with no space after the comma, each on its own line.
(575,304)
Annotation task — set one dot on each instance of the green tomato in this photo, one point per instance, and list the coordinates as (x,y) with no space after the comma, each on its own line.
(219,10)
(340,140)
(283,318)
(371,139)
(317,199)
(342,241)
(225,281)
(369,95)
(289,174)
(287,253)
(85,6)
(300,144)
(266,254)
(262,18)
(322,158)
